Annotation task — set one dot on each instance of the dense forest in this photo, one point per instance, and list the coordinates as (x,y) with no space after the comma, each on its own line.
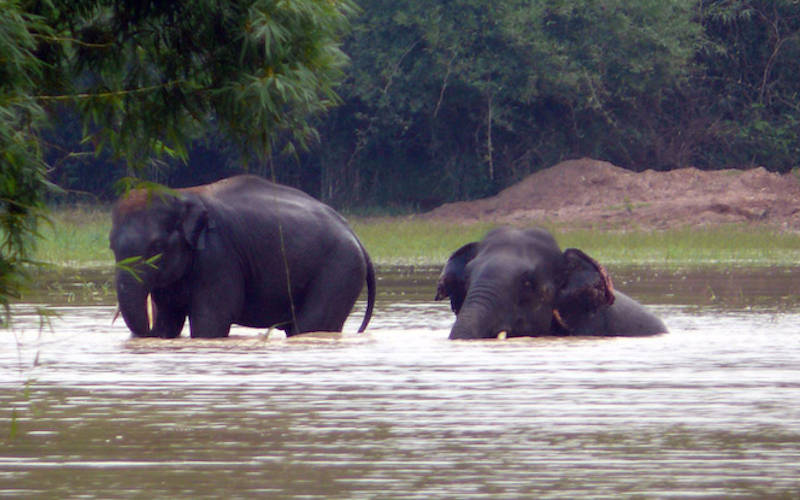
(456,99)
(376,104)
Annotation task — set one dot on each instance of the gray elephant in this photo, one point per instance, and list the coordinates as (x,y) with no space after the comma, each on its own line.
(242,250)
(519,283)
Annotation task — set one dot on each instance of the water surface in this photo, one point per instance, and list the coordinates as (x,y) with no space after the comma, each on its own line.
(708,411)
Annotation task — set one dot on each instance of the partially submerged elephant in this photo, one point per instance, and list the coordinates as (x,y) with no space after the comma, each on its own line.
(231,252)
(519,283)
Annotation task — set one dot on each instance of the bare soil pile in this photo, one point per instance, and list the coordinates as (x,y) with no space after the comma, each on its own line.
(591,193)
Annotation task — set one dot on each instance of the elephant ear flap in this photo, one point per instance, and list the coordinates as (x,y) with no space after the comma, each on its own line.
(452,281)
(586,286)
(194,222)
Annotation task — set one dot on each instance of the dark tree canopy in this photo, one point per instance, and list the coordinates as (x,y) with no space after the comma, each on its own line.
(453,100)
(142,78)
(442,100)
(148,75)
(458,99)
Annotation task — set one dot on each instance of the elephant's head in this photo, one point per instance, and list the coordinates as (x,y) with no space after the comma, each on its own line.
(153,237)
(521,283)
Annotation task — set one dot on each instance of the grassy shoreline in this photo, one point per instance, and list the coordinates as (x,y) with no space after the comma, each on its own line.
(78,238)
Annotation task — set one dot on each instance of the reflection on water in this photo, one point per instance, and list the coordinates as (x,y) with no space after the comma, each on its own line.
(709,410)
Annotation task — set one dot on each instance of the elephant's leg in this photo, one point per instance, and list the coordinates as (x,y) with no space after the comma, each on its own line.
(205,327)
(210,318)
(168,323)
(330,297)
(217,295)
(213,310)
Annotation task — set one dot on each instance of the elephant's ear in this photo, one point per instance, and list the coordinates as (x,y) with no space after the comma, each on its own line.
(452,281)
(586,285)
(194,222)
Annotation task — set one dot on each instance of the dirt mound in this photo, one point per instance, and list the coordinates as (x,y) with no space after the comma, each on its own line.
(596,193)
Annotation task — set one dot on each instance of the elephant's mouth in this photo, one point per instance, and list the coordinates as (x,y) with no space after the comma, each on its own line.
(558,326)
(507,334)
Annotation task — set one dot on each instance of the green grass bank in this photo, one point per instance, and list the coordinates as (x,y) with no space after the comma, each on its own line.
(78,238)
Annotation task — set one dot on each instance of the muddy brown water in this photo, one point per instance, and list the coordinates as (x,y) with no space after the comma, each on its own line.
(710,410)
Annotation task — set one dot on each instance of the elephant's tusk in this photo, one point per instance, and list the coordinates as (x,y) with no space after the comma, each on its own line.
(116,315)
(502,335)
(150,311)
(559,320)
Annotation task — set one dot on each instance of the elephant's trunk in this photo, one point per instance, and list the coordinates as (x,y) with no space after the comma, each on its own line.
(465,327)
(477,318)
(132,296)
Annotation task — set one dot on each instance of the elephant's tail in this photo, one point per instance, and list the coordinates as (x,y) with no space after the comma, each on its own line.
(370,291)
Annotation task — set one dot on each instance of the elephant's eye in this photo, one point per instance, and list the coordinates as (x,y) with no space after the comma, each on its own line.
(157,247)
(527,288)
(528,282)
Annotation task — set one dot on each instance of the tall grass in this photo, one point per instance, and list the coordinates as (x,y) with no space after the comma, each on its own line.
(78,237)
(724,245)
(406,241)
(409,241)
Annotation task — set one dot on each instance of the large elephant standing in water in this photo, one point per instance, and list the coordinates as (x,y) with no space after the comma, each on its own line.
(519,283)
(242,250)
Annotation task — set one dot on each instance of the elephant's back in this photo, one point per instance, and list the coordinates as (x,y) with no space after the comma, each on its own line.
(254,210)
(247,188)
(263,200)
(627,317)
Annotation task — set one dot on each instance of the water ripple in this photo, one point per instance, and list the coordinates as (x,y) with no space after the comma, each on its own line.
(709,410)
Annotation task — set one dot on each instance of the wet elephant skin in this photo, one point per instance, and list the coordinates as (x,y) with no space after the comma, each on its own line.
(242,250)
(519,283)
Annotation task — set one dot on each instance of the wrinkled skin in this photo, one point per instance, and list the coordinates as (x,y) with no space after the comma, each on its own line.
(214,253)
(519,283)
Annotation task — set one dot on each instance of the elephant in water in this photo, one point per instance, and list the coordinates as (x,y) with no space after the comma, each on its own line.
(242,250)
(519,283)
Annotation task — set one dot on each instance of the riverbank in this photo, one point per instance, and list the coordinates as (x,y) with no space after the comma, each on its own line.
(78,238)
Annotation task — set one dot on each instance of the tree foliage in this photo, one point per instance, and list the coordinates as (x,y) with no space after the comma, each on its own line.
(443,100)
(143,78)
(151,75)
(459,98)
(22,173)
(749,74)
